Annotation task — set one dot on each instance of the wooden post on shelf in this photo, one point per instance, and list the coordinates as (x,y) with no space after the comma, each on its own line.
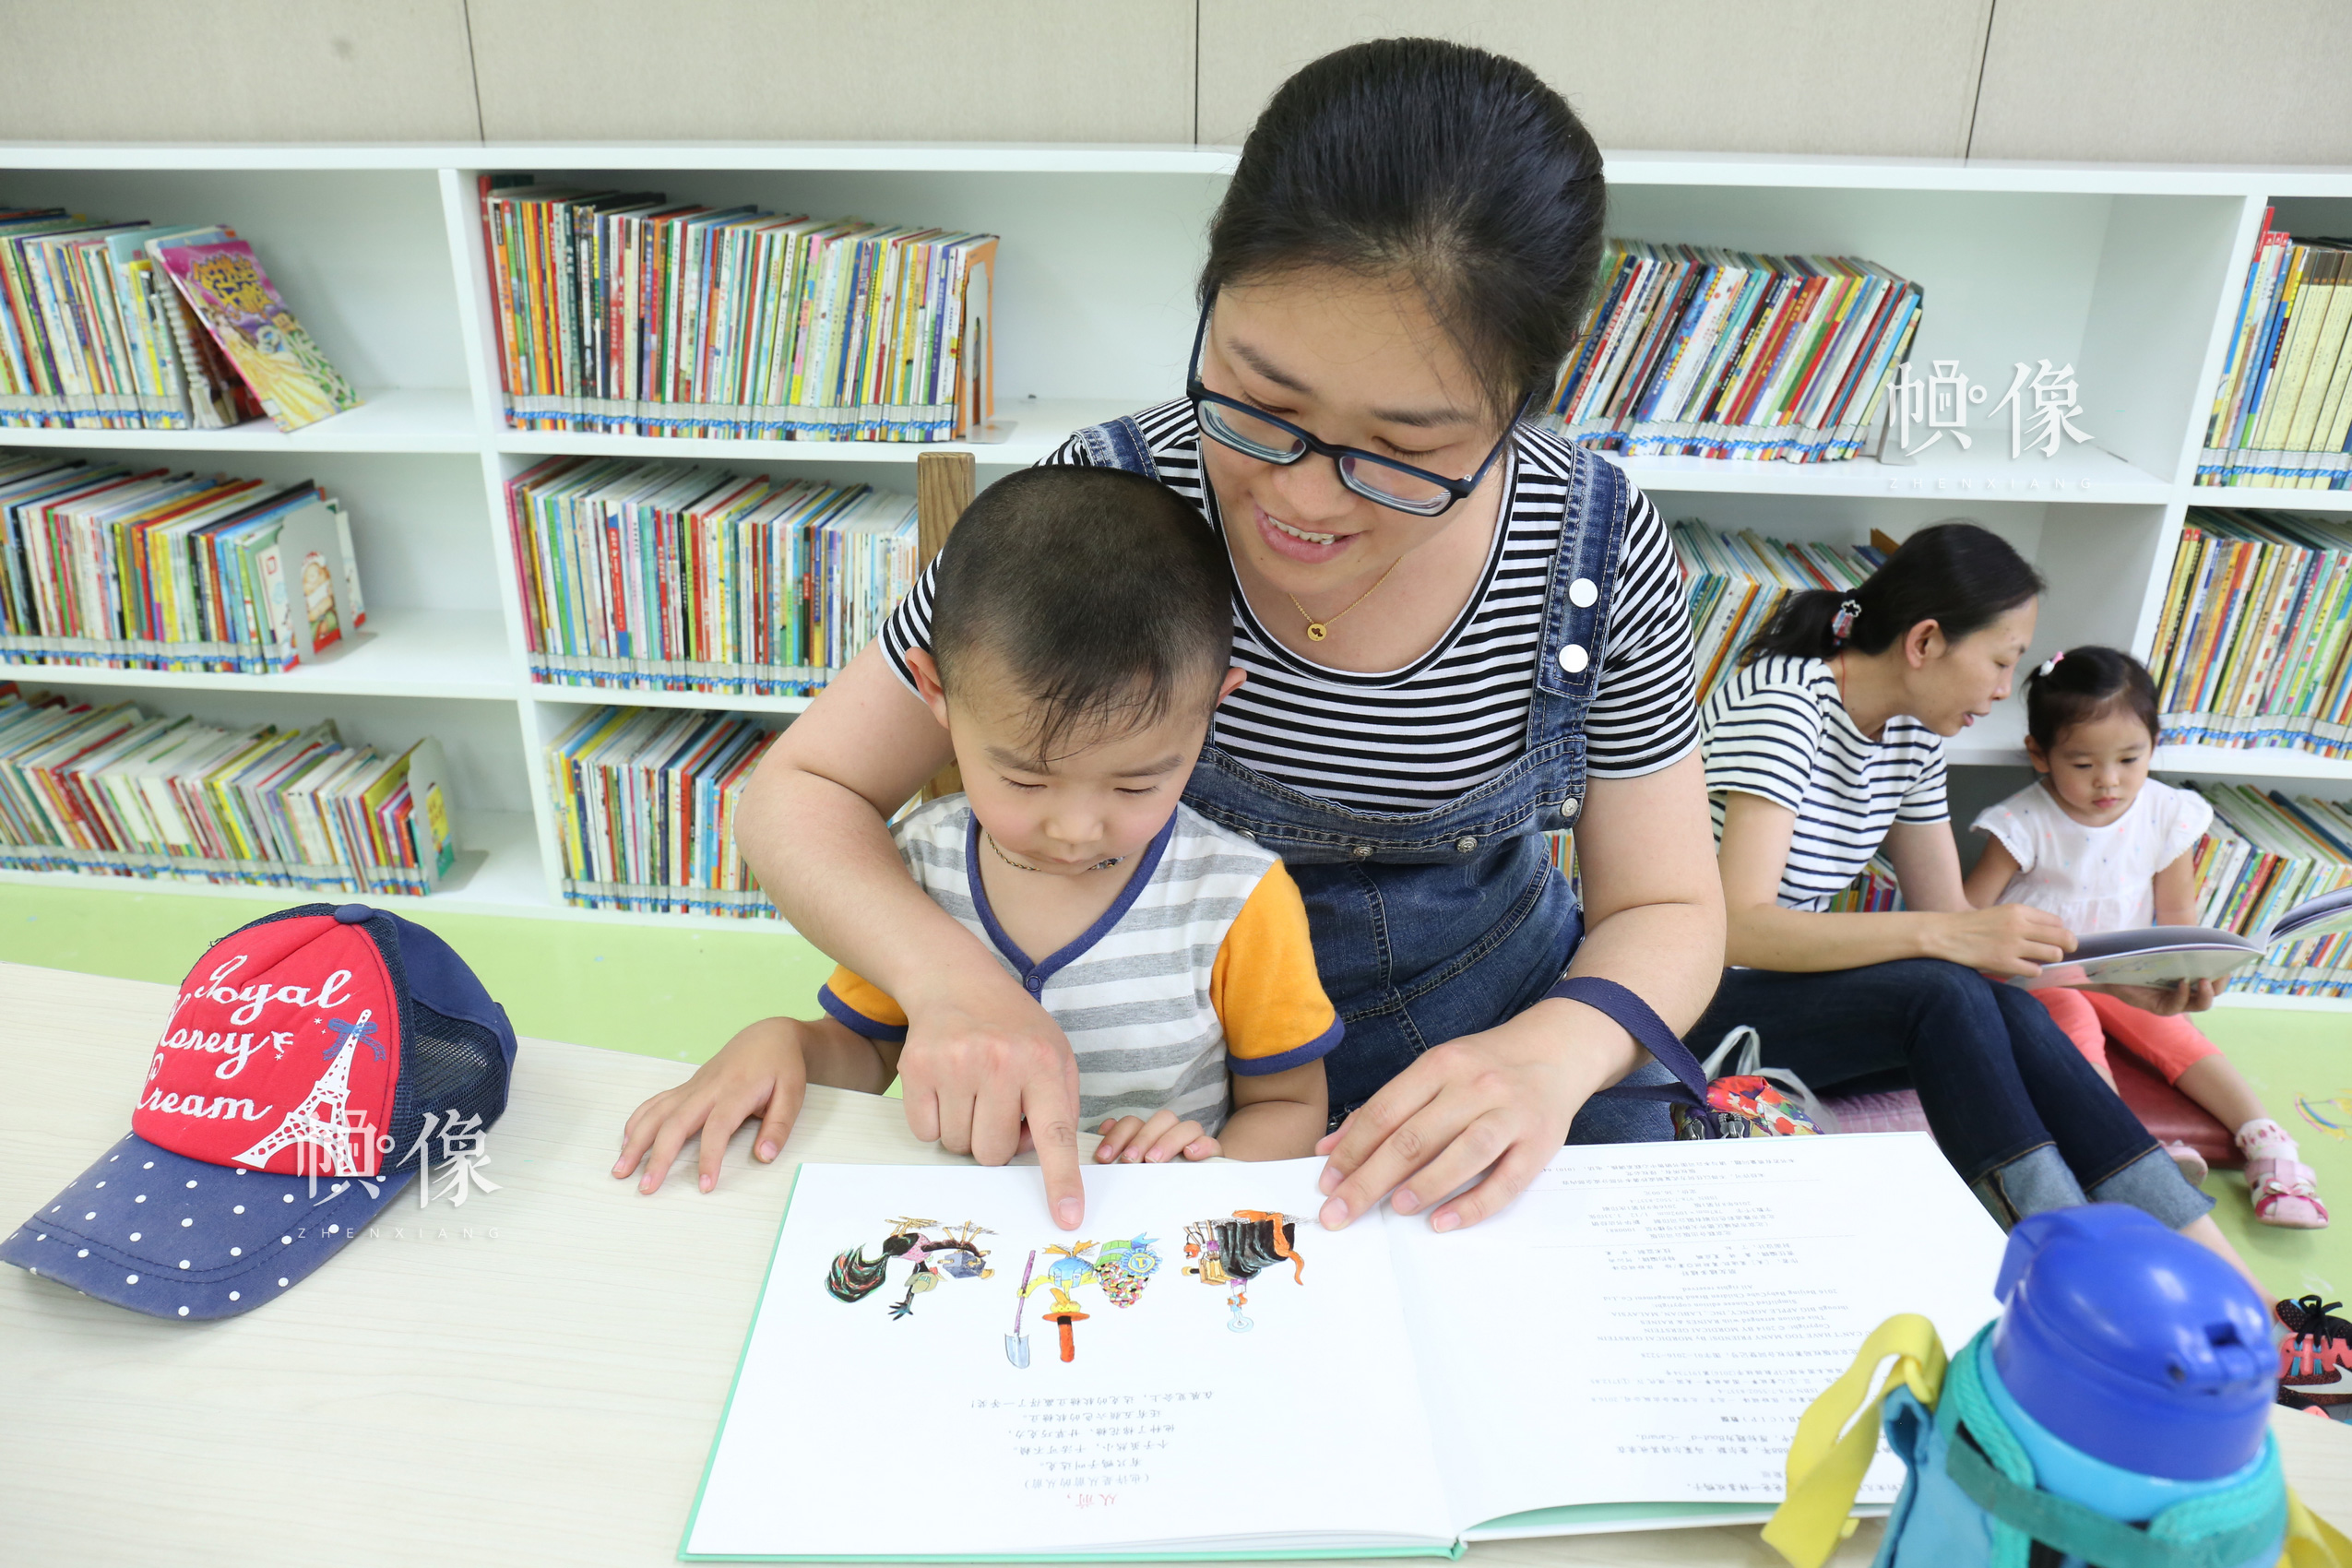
(944,484)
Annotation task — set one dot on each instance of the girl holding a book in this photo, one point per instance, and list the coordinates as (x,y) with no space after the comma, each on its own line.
(2097,843)
(1457,633)
(1826,744)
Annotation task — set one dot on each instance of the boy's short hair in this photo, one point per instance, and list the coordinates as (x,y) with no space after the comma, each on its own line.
(1105,595)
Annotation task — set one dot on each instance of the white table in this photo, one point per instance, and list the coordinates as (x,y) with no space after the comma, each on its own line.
(533,1378)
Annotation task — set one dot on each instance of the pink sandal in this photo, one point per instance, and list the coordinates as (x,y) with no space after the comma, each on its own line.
(2193,1169)
(2286,1192)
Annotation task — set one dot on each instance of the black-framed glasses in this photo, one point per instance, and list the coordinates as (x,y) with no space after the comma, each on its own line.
(1253,432)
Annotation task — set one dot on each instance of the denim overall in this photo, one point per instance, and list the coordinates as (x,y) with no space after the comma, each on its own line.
(1428,925)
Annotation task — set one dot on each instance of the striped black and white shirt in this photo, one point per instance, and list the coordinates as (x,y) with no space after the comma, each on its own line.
(1414,739)
(1778,729)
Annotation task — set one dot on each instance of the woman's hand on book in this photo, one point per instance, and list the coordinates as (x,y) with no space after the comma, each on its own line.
(2163,1001)
(980,1067)
(1499,1101)
(2008,939)
(762,1071)
(1165,1136)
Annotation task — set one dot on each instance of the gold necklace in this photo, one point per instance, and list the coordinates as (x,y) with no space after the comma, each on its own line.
(1318,630)
(1099,865)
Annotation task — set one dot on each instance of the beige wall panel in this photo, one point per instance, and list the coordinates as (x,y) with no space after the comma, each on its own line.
(235,71)
(1893,78)
(2168,81)
(822,70)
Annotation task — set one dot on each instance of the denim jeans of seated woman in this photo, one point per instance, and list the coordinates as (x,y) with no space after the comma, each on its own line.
(1429,925)
(2024,1119)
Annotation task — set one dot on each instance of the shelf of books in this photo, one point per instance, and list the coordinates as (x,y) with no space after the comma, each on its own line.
(588,465)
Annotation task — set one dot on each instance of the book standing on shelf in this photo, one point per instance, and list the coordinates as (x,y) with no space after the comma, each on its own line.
(2254,646)
(673,578)
(2282,414)
(114,791)
(104,566)
(107,326)
(646,801)
(1699,351)
(2266,856)
(624,313)
(1735,582)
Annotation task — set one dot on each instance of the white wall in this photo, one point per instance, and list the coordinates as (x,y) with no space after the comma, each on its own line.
(2253,81)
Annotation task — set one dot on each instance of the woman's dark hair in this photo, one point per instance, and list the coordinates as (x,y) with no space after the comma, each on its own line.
(1454,170)
(2085,683)
(1105,597)
(1956,575)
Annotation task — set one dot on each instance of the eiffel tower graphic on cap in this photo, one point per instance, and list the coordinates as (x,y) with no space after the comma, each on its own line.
(322,1122)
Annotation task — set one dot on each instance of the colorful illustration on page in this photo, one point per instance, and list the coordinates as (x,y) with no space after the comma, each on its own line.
(224,284)
(1119,1269)
(1233,1251)
(954,1254)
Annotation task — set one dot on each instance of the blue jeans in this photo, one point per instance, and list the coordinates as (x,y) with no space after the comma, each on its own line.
(2024,1120)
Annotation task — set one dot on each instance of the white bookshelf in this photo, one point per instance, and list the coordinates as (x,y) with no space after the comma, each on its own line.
(2129,272)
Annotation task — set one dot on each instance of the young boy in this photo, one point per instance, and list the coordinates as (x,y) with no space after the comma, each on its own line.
(1081,638)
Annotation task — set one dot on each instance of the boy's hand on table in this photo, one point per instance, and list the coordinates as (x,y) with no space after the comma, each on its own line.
(1166,1135)
(762,1071)
(980,1069)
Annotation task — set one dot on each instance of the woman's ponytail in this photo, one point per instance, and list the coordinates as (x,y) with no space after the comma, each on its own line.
(1959,575)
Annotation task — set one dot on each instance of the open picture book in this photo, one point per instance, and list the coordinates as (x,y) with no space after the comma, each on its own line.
(2167,955)
(937,1372)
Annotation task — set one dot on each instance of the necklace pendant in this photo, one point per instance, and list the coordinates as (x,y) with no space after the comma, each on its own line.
(1317,630)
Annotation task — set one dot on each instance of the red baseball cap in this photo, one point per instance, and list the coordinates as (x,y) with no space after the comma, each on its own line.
(307,1060)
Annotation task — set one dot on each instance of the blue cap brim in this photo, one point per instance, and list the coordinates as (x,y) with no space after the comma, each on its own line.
(179,1238)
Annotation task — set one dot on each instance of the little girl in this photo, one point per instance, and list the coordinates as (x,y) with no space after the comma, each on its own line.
(2102,846)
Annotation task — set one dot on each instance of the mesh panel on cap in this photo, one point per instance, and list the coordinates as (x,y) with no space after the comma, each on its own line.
(453,1065)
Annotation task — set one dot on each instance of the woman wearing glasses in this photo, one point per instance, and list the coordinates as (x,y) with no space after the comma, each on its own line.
(1458,633)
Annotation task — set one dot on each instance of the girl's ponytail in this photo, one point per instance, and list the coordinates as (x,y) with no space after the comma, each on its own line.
(1959,575)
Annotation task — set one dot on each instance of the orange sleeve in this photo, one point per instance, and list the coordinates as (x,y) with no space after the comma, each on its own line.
(863,1007)
(1263,984)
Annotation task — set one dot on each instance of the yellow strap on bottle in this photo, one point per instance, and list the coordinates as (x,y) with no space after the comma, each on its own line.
(1827,1460)
(2311,1541)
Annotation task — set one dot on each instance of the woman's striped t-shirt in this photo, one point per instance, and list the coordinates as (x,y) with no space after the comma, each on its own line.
(1777,729)
(1413,739)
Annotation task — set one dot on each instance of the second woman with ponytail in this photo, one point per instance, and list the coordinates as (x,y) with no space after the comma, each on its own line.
(1827,744)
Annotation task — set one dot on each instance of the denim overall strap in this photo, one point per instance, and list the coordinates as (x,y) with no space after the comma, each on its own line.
(1119,444)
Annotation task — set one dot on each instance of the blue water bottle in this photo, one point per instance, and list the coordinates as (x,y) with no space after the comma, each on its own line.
(2118,1412)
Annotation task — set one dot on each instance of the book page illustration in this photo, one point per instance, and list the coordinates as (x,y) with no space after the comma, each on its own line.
(954,1254)
(1234,1251)
(1071,1391)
